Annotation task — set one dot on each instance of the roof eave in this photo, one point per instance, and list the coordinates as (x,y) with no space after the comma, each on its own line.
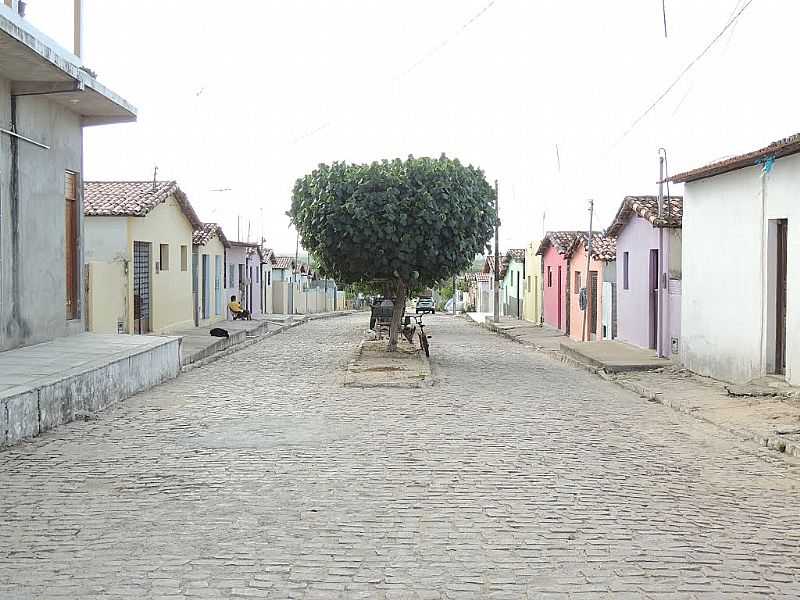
(34,64)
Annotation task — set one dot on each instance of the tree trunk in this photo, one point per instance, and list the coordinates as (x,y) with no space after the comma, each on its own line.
(397,315)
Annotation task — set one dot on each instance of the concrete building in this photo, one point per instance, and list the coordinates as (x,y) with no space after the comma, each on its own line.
(532,292)
(740,312)
(588,324)
(267,262)
(555,274)
(648,313)
(46,99)
(513,274)
(50,368)
(138,252)
(244,273)
(283,274)
(212,283)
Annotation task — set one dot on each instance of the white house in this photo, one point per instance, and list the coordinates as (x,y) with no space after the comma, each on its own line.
(740,313)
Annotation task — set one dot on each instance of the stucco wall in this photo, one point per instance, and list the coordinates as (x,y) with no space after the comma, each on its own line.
(578,264)
(513,284)
(213,249)
(171,290)
(34,309)
(552,300)
(106,239)
(721,320)
(106,301)
(532,290)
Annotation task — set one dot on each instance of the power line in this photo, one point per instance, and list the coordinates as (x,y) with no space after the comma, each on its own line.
(446,41)
(685,70)
(434,50)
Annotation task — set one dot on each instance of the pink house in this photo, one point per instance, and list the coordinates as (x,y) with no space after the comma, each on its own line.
(555,270)
(590,324)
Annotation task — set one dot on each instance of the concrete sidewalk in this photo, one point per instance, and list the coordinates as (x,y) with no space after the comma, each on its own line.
(613,356)
(48,384)
(198,343)
(541,337)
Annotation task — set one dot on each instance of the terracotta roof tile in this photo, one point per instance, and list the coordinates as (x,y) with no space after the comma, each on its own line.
(132,199)
(603,247)
(646,207)
(517,254)
(785,147)
(283,262)
(203,234)
(562,241)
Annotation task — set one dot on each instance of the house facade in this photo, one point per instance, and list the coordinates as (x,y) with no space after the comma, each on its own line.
(138,247)
(283,285)
(740,318)
(46,100)
(267,257)
(532,292)
(589,324)
(649,254)
(553,249)
(513,282)
(210,292)
(244,275)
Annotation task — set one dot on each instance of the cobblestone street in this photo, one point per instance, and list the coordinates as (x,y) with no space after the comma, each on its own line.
(514,476)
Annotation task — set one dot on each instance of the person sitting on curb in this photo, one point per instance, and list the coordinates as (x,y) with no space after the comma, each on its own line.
(237,311)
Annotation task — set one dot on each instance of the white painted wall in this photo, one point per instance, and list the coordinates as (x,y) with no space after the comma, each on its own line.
(106,239)
(725,308)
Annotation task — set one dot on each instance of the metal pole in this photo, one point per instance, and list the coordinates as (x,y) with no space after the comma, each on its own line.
(496,254)
(77,33)
(585,332)
(660,263)
(454,295)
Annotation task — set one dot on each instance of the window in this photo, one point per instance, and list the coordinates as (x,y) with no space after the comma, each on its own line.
(258,275)
(549,277)
(269,277)
(625,271)
(231,276)
(529,283)
(163,256)
(184,258)
(577,282)
(241,275)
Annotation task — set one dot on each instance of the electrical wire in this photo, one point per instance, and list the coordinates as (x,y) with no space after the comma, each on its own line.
(680,76)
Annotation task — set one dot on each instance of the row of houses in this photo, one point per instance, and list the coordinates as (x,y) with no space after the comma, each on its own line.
(704,278)
(107,256)
(153,266)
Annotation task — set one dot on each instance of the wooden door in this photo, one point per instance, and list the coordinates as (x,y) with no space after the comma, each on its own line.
(559,296)
(780,298)
(71,243)
(592,305)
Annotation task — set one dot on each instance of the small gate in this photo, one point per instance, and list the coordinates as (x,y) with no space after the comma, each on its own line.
(141,287)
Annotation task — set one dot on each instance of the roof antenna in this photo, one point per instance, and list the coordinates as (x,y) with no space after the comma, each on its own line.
(155,174)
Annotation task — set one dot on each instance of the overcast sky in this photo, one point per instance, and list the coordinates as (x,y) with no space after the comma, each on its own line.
(251,94)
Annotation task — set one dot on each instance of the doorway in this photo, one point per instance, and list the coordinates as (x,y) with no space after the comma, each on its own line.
(559,296)
(592,334)
(141,287)
(781,239)
(653,299)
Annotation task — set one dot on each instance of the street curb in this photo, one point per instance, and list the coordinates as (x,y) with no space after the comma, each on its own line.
(772,442)
(269,333)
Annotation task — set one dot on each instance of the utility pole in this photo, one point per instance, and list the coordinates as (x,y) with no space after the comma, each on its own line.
(660,263)
(77,31)
(238,228)
(585,333)
(496,254)
(454,295)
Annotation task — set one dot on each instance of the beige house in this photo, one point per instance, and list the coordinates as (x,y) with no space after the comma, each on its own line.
(212,284)
(138,248)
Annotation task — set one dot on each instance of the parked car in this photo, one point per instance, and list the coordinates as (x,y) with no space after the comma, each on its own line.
(426,305)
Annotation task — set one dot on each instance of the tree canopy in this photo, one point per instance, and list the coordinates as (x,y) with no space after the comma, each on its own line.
(409,222)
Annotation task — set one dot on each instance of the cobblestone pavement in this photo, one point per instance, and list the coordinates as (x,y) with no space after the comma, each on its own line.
(513,477)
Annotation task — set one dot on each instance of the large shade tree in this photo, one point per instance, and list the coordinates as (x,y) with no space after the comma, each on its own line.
(400,223)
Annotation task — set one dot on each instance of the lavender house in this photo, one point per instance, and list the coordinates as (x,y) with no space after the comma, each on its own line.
(649,280)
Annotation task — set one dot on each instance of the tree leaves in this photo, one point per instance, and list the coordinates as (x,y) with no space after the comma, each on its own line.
(419,220)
